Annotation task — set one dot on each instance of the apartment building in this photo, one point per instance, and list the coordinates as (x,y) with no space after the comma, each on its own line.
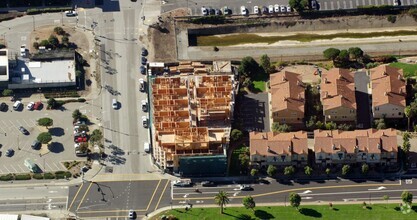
(281,149)
(337,94)
(191,120)
(388,92)
(287,98)
(360,146)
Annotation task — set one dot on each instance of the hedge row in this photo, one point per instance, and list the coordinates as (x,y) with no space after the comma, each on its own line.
(63,94)
(34,11)
(38,176)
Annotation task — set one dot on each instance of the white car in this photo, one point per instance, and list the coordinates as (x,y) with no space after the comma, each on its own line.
(204,11)
(23,50)
(76,145)
(313,4)
(30,106)
(141,85)
(271,9)
(144,106)
(132,214)
(396,2)
(283,8)
(289,9)
(276,8)
(71,13)
(255,9)
(243,10)
(145,121)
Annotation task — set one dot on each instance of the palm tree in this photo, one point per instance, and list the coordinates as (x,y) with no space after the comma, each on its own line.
(221,199)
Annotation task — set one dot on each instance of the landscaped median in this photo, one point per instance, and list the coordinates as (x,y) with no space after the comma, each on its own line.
(333,211)
(38,176)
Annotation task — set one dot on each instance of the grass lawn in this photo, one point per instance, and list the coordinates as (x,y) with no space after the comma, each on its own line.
(259,86)
(349,212)
(409,69)
(237,39)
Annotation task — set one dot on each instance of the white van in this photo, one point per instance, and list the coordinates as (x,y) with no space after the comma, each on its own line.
(17,105)
(114,104)
(146,147)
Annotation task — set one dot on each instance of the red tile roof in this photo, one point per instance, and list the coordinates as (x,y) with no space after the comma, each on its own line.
(272,143)
(337,89)
(287,92)
(388,86)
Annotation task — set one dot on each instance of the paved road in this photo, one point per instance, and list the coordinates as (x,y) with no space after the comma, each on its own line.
(33,198)
(115,199)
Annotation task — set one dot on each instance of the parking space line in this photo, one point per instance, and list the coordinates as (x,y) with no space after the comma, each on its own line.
(22,169)
(363,2)
(338,4)
(6,169)
(357,3)
(325,6)
(27,124)
(12,167)
(351,4)
(46,164)
(344,4)
(56,166)
(34,123)
(409,2)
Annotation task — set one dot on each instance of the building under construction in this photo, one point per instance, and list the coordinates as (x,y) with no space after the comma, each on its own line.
(192,116)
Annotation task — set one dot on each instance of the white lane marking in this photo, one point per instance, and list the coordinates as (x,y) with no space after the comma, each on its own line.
(358,192)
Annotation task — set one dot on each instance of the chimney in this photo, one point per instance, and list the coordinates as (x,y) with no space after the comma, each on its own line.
(325,80)
(383,133)
(385,93)
(293,136)
(290,148)
(269,149)
(299,83)
(285,99)
(401,91)
(326,94)
(385,73)
(379,146)
(327,134)
(300,97)
(399,77)
(340,76)
(284,79)
(334,147)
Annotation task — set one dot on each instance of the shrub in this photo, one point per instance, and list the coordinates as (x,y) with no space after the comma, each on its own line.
(36,45)
(62,174)
(34,11)
(392,18)
(81,100)
(7,92)
(38,176)
(7,177)
(413,13)
(59,30)
(48,176)
(23,177)
(44,137)
(212,19)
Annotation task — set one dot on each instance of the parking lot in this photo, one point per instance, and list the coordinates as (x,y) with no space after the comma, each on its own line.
(48,159)
(255,113)
(234,5)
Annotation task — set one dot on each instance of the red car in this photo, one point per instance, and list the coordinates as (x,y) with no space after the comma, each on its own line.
(80,139)
(37,105)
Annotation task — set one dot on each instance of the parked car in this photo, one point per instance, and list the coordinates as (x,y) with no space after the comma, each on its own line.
(264,10)
(183,183)
(23,50)
(144,52)
(145,121)
(144,60)
(9,152)
(36,145)
(80,153)
(226,10)
(114,104)
(245,188)
(71,13)
(141,85)
(276,8)
(256,9)
(204,11)
(38,105)
(132,214)
(313,5)
(208,184)
(144,106)
(217,12)
(396,2)
(3,106)
(289,9)
(243,10)
(23,130)
(30,106)
(142,70)
(283,8)
(271,9)
(211,11)
(80,139)
(33,167)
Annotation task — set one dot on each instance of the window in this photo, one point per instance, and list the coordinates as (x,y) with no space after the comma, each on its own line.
(376,108)
(293,113)
(399,113)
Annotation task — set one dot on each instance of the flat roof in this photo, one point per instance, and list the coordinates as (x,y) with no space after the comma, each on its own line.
(8,217)
(4,61)
(32,217)
(47,72)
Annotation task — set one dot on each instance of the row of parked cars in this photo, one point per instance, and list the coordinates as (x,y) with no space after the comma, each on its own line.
(271,9)
(80,138)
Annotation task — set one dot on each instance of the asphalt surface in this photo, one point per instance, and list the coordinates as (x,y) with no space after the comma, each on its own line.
(115,199)
(255,115)
(33,198)
(234,5)
(362,100)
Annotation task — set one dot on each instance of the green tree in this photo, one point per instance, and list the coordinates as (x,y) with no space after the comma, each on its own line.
(53,41)
(410,112)
(343,56)
(249,202)
(331,53)
(236,135)
(65,40)
(52,103)
(289,170)
(7,92)
(46,122)
(385,198)
(295,200)
(248,67)
(76,115)
(96,136)
(407,197)
(271,171)
(59,30)
(83,147)
(365,168)
(298,5)
(254,172)
(83,128)
(344,127)
(330,125)
(221,199)
(44,137)
(308,170)
(265,63)
(45,43)
(35,45)
(345,170)
(248,83)
(392,18)
(355,53)
(328,170)
(276,127)
(380,124)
